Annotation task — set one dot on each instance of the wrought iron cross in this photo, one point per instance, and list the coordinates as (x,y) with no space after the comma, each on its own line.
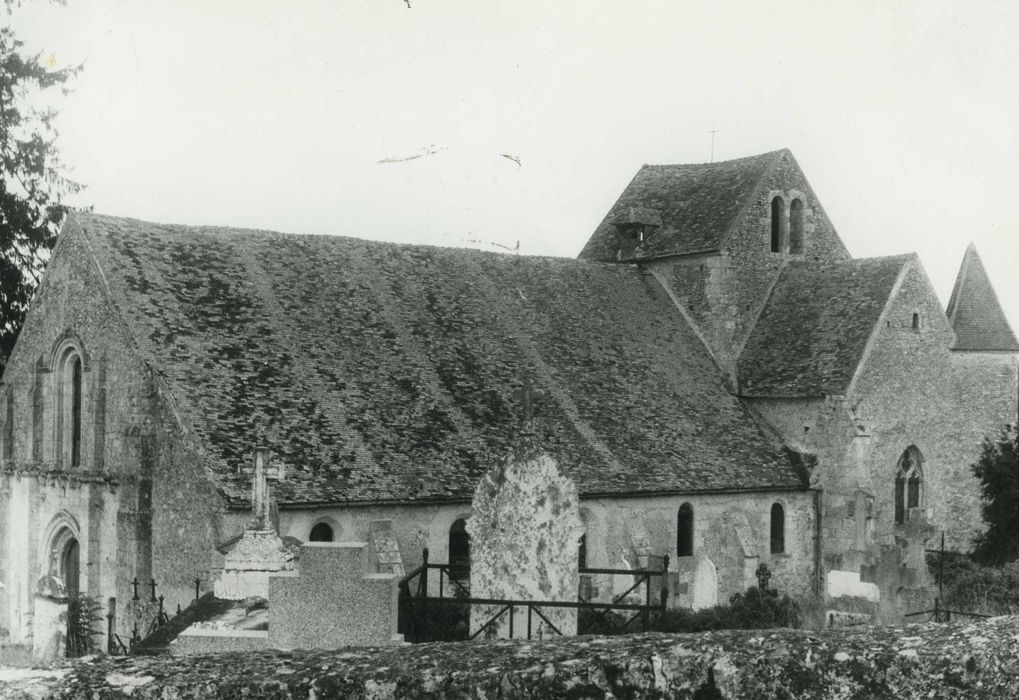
(527,397)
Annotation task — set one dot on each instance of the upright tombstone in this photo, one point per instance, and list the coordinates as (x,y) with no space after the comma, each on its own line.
(260,551)
(524,525)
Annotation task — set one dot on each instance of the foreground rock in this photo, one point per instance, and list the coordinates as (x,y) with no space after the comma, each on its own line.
(932,661)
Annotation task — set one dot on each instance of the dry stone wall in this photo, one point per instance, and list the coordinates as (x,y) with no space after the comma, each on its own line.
(932,661)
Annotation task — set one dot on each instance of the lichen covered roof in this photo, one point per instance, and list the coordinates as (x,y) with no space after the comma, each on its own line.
(696,206)
(974,311)
(814,329)
(382,372)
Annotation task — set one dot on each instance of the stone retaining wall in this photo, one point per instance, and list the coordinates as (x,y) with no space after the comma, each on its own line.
(929,661)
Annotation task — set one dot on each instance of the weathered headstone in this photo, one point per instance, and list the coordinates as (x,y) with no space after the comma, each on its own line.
(260,551)
(524,527)
(385,547)
(49,622)
(640,540)
(705,585)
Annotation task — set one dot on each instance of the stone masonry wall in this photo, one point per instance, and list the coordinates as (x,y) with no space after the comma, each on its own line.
(609,523)
(116,497)
(911,390)
(726,292)
(920,661)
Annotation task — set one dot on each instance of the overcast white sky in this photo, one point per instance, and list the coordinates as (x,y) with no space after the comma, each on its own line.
(269,114)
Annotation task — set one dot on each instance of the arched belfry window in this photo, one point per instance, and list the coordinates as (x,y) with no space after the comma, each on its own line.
(777,528)
(459,550)
(796,226)
(777,205)
(684,531)
(908,484)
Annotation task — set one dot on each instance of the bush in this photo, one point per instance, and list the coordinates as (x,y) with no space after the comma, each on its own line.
(754,609)
(998,472)
(971,587)
(83,614)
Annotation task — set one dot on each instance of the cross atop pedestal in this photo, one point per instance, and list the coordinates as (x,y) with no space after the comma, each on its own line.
(260,519)
(527,399)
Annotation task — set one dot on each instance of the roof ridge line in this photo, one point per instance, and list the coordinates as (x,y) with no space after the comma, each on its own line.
(745,207)
(900,278)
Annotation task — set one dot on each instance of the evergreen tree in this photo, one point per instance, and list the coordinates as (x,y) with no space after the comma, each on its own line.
(31,185)
(998,471)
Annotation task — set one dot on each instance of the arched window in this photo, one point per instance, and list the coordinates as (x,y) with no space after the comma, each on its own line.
(322,532)
(69,407)
(776,224)
(796,226)
(76,411)
(908,484)
(684,531)
(916,321)
(582,552)
(777,528)
(459,550)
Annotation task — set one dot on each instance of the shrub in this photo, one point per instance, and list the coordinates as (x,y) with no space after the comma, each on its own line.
(998,472)
(971,587)
(754,609)
(83,614)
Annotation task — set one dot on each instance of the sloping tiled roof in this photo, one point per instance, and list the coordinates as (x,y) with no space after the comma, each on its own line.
(974,311)
(811,336)
(383,372)
(696,206)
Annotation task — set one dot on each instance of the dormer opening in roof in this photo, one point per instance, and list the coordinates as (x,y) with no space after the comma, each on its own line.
(635,226)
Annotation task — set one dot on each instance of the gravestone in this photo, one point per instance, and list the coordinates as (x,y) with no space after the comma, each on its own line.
(385,547)
(524,526)
(640,540)
(260,551)
(705,585)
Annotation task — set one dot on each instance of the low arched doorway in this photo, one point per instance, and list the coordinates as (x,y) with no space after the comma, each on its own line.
(69,567)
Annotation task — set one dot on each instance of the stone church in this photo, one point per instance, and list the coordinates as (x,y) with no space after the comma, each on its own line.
(723,382)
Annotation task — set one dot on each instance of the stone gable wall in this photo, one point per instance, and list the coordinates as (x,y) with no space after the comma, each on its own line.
(136,484)
(725,292)
(911,390)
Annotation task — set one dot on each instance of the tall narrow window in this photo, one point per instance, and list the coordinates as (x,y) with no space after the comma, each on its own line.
(776,224)
(684,531)
(796,226)
(582,551)
(459,550)
(76,412)
(908,484)
(916,322)
(777,528)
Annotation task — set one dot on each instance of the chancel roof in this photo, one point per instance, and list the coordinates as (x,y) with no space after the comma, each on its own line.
(974,311)
(814,329)
(689,208)
(383,372)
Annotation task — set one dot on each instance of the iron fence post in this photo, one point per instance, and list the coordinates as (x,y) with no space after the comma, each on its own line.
(647,602)
(512,610)
(663,594)
(529,606)
(423,582)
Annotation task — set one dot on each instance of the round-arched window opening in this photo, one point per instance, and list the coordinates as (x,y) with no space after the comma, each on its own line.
(322,532)
(459,550)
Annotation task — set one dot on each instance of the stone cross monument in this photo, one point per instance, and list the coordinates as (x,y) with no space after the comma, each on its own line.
(260,550)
